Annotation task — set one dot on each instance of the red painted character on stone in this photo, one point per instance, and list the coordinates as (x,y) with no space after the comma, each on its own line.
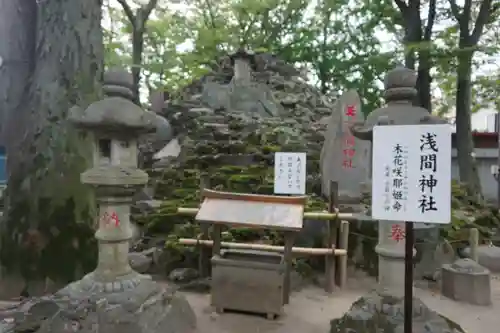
(397,233)
(349,150)
(107,219)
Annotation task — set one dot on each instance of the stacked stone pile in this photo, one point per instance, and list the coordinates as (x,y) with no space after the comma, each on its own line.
(229,130)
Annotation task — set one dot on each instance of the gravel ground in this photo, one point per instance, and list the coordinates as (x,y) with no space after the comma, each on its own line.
(311,309)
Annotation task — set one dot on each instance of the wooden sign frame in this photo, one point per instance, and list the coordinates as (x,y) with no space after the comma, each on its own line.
(273,209)
(252,210)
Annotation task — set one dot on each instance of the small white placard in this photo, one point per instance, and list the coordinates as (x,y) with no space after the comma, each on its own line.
(290,173)
(411,177)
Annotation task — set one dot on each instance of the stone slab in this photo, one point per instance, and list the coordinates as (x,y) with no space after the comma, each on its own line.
(488,256)
(344,158)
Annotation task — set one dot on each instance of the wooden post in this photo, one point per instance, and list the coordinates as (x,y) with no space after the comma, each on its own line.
(342,260)
(204,266)
(288,257)
(331,238)
(216,236)
(474,243)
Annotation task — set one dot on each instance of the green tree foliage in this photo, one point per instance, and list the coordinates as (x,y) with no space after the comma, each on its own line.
(485,68)
(471,21)
(340,44)
(332,40)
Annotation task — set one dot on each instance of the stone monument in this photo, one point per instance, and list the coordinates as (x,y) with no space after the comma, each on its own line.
(383,309)
(114,297)
(344,158)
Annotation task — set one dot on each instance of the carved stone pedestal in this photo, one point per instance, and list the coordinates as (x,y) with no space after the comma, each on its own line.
(134,304)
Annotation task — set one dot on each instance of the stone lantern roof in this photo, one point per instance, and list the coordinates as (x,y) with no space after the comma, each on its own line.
(116,112)
(400,92)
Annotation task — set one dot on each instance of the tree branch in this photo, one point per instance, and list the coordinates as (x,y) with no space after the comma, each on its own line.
(482,19)
(143,14)
(248,29)
(211,14)
(276,31)
(455,10)
(431,17)
(127,10)
(401,5)
(467,13)
(147,9)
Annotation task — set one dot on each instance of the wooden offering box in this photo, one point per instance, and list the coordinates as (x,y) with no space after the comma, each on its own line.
(248,280)
(244,280)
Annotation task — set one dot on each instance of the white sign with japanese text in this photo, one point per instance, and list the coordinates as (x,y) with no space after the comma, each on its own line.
(411,175)
(290,173)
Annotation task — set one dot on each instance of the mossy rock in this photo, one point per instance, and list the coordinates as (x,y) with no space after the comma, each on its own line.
(32,251)
(470,211)
(377,313)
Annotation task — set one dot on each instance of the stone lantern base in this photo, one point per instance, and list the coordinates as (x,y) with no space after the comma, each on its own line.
(84,306)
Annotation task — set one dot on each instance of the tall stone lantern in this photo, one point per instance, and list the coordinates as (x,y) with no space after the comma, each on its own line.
(116,124)
(399,94)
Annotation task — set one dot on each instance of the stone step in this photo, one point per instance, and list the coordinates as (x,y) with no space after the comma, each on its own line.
(212,118)
(201,111)
(217,125)
(229,159)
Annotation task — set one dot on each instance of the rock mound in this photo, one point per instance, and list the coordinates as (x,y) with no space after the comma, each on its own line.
(469,210)
(161,311)
(225,135)
(379,313)
(275,92)
(488,256)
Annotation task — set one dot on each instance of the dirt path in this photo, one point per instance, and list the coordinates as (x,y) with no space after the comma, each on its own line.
(311,309)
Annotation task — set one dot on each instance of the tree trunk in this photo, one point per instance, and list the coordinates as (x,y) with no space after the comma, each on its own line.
(424,80)
(138,22)
(17,47)
(137,49)
(48,229)
(413,33)
(465,147)
(413,37)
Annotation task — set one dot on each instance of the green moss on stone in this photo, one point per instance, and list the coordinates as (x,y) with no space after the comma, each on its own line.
(57,247)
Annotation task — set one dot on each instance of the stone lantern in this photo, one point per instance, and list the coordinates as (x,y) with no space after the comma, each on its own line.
(399,94)
(116,124)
